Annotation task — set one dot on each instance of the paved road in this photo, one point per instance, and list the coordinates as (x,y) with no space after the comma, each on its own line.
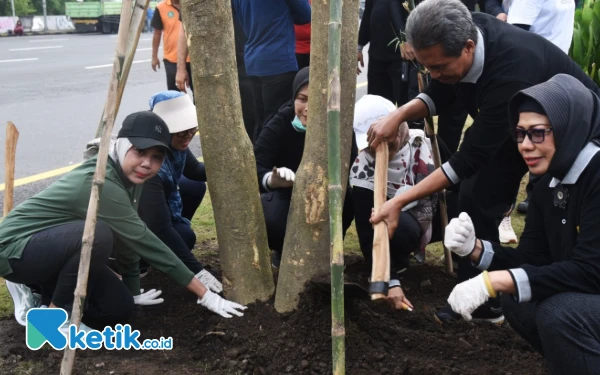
(54,88)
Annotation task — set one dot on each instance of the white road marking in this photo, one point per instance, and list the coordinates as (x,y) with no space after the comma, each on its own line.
(144,49)
(145,40)
(46,40)
(109,65)
(34,48)
(17,60)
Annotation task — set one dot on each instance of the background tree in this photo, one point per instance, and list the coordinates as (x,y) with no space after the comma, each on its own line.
(307,240)
(228,153)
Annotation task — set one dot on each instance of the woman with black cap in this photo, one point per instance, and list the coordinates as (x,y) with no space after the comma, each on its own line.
(278,153)
(41,238)
(551,281)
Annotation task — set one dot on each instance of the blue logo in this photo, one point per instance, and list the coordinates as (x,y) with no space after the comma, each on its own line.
(47,325)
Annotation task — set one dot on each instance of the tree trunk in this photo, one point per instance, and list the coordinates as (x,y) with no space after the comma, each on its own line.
(228,153)
(306,249)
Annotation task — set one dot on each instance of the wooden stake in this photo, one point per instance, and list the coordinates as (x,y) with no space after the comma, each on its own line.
(380,273)
(437,162)
(12,136)
(106,126)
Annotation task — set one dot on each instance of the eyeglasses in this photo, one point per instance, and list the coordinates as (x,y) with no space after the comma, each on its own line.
(534,135)
(184,134)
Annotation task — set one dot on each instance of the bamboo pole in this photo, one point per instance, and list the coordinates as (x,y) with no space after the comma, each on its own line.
(133,24)
(106,126)
(12,136)
(380,273)
(338,331)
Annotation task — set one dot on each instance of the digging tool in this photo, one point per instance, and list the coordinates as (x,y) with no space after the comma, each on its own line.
(380,273)
(12,135)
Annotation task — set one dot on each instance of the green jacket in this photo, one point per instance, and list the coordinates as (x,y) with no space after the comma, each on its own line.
(67,200)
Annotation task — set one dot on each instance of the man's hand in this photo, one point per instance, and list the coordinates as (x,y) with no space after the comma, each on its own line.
(221,306)
(281,178)
(389,214)
(460,235)
(502,17)
(155,63)
(361,63)
(407,51)
(182,79)
(467,296)
(209,281)
(397,298)
(148,298)
(385,129)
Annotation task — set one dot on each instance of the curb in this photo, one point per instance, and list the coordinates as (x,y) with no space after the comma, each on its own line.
(34,33)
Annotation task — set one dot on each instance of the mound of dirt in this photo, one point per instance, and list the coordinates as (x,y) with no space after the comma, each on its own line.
(378,339)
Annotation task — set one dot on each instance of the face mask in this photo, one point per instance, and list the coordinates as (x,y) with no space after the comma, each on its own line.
(297,124)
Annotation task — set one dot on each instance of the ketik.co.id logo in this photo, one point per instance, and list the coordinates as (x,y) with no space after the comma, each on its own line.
(47,325)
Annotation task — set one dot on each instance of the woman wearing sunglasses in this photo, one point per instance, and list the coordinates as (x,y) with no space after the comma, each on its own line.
(170,199)
(551,281)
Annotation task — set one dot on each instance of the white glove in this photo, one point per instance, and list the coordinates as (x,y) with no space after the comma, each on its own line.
(219,305)
(148,298)
(209,281)
(467,296)
(460,235)
(281,178)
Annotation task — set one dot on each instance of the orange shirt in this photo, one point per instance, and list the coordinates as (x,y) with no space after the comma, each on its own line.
(166,18)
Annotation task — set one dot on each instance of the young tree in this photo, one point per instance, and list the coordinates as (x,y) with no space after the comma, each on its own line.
(307,240)
(228,153)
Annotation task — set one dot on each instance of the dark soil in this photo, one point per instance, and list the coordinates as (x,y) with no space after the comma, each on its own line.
(378,339)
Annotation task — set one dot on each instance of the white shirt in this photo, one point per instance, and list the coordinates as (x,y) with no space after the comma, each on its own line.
(551,19)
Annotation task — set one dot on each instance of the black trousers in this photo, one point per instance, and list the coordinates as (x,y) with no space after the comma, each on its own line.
(303,60)
(564,328)
(488,195)
(51,261)
(385,79)
(276,206)
(402,244)
(270,92)
(247,99)
(171,71)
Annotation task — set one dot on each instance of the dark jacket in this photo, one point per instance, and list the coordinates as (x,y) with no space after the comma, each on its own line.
(514,60)
(279,144)
(382,22)
(560,248)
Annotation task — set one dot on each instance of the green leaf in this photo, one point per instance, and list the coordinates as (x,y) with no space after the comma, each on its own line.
(577,47)
(596,9)
(587,17)
(578,17)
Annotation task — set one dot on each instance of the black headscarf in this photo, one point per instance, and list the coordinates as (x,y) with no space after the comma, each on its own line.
(573,111)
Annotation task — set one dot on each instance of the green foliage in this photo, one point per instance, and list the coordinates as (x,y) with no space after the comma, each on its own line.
(585,48)
(32,7)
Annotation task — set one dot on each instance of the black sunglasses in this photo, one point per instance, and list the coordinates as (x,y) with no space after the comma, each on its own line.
(534,135)
(184,134)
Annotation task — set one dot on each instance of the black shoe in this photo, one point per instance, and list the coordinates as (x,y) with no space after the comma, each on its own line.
(275,259)
(522,207)
(484,313)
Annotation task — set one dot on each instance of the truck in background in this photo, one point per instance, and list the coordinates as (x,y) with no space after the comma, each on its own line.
(96,16)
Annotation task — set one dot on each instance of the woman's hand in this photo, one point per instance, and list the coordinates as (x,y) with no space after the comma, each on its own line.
(148,298)
(221,306)
(502,17)
(281,178)
(389,214)
(398,300)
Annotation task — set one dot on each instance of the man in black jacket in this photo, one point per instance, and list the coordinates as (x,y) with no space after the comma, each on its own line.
(483,62)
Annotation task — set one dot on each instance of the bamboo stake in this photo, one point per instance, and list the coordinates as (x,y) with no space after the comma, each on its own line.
(12,136)
(338,331)
(380,273)
(107,123)
(134,14)
(437,163)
